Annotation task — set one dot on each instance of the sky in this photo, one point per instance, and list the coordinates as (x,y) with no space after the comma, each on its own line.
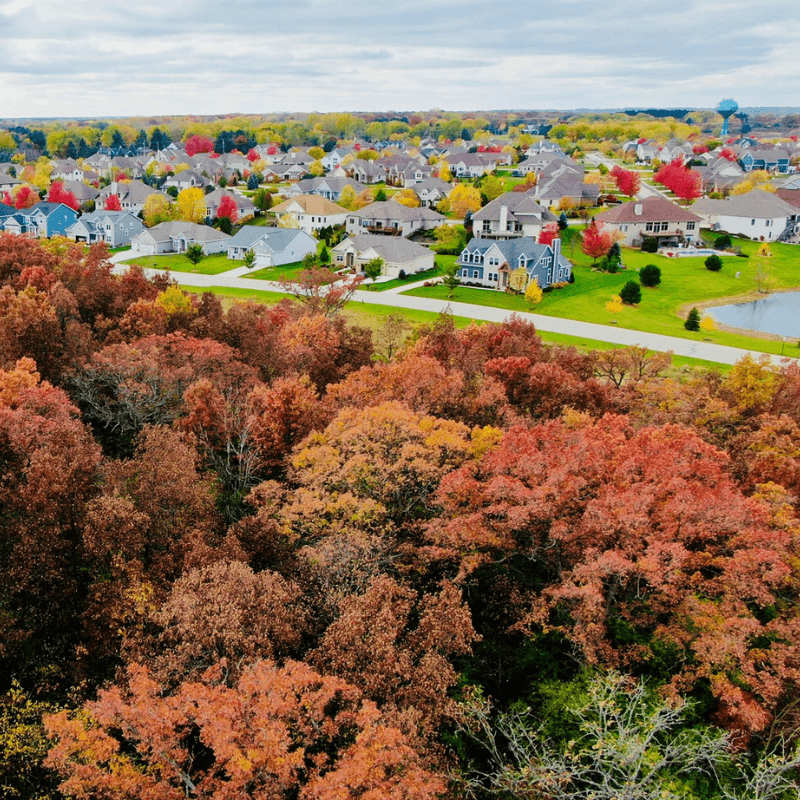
(114,59)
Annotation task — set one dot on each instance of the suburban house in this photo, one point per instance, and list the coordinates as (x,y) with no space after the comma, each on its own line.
(510,216)
(271,246)
(329,188)
(115,228)
(396,252)
(654,217)
(82,191)
(244,206)
(187,179)
(468,165)
(390,218)
(367,172)
(757,215)
(565,182)
(772,159)
(513,263)
(175,237)
(431,191)
(41,221)
(132,195)
(310,212)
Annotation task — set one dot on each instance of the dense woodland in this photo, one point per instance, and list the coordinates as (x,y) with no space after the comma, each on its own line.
(245,554)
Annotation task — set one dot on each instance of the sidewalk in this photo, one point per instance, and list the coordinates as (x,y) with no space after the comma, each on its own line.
(706,351)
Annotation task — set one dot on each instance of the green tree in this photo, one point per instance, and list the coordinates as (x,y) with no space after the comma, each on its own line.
(380,196)
(631,293)
(714,263)
(373,268)
(249,258)
(692,321)
(194,252)
(650,275)
(451,278)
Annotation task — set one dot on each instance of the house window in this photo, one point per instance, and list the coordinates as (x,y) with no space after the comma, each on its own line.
(464,273)
(648,226)
(690,226)
(752,222)
(664,226)
(768,223)
(475,273)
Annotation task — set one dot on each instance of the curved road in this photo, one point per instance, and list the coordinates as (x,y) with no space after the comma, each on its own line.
(589,330)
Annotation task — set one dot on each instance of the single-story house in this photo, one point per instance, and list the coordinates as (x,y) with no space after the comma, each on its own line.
(271,246)
(175,237)
(396,252)
(244,205)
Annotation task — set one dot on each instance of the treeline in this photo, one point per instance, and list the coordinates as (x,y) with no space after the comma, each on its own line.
(243,553)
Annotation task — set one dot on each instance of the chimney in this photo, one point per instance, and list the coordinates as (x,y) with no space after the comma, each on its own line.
(556,245)
(637,209)
(503,217)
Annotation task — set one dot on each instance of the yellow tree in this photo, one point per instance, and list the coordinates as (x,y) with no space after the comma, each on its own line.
(444,171)
(41,174)
(407,197)
(534,294)
(191,205)
(157,208)
(464,198)
(347,198)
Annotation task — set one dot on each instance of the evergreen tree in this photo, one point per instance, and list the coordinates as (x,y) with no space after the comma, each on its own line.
(692,321)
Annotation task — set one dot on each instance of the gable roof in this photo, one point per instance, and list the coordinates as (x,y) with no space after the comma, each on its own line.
(518,204)
(276,239)
(755,204)
(311,204)
(512,249)
(392,249)
(650,209)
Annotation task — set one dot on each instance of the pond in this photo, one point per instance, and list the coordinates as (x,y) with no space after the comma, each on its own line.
(777,313)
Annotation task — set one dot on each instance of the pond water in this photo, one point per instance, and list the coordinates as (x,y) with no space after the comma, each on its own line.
(778,313)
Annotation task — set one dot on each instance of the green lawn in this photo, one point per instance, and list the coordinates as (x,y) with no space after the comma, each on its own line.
(372,317)
(684,282)
(284,272)
(428,274)
(209,265)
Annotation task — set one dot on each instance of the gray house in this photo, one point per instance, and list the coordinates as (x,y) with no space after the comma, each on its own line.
(115,228)
(175,237)
(513,263)
(271,246)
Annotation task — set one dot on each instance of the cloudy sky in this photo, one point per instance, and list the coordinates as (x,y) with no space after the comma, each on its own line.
(108,58)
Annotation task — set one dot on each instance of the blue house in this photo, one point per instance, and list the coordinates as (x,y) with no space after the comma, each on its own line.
(772,159)
(40,221)
(513,263)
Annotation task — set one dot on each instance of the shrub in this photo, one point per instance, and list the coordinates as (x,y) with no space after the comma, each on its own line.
(649,244)
(722,242)
(714,263)
(650,275)
(692,321)
(402,275)
(631,293)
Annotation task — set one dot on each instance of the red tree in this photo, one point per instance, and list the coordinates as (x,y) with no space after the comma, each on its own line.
(25,198)
(227,208)
(252,155)
(595,242)
(628,181)
(684,182)
(728,154)
(112,203)
(199,144)
(58,194)
(548,233)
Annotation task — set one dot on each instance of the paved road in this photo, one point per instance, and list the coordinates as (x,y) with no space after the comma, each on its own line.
(587,330)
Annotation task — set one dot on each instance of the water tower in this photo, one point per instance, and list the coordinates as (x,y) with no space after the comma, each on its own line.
(727,108)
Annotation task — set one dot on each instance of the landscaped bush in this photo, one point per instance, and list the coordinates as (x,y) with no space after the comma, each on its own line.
(631,293)
(692,321)
(714,263)
(650,275)
(649,244)
(722,242)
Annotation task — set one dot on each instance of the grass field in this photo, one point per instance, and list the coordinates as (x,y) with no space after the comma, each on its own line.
(209,265)
(284,272)
(373,317)
(685,282)
(428,274)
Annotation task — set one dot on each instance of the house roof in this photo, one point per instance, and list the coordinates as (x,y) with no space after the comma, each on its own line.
(518,204)
(276,239)
(199,233)
(650,209)
(755,204)
(311,204)
(389,209)
(790,196)
(392,249)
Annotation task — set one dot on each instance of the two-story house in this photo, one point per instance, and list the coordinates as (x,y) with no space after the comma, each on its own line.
(651,217)
(510,216)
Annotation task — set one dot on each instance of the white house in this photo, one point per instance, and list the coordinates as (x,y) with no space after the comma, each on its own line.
(310,212)
(396,253)
(757,215)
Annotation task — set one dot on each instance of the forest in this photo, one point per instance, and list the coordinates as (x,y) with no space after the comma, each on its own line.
(244,554)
